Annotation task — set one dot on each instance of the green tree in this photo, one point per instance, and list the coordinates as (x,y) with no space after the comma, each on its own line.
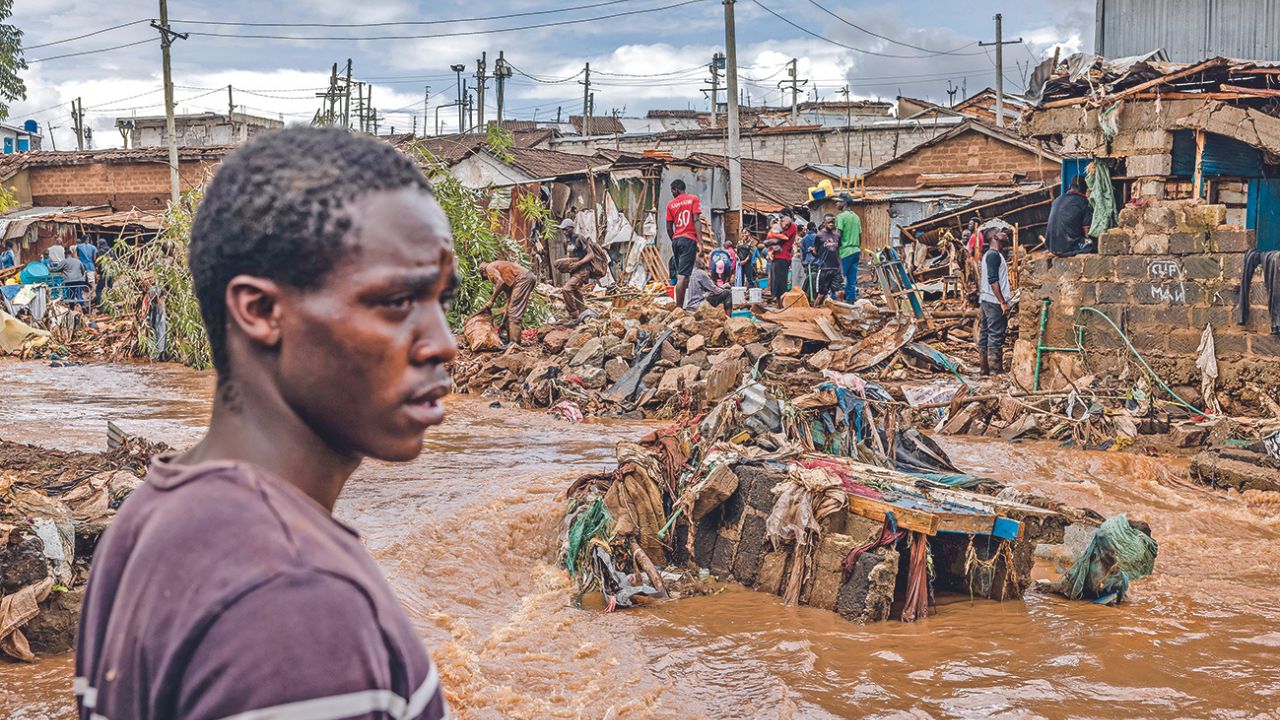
(11,61)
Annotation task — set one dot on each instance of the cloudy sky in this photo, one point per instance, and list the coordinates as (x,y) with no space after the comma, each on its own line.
(277,54)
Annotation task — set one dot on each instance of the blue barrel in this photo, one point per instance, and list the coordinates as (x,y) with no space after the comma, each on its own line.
(36,272)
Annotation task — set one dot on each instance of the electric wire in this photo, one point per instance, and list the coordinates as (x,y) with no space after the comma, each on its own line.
(391,23)
(86,35)
(837,43)
(886,37)
(92,52)
(461,33)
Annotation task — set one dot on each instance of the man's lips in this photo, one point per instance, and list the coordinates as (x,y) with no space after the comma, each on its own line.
(424,407)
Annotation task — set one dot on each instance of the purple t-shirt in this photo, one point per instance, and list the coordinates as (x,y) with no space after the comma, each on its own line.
(221,591)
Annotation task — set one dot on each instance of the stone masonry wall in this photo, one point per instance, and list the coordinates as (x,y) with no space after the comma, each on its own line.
(1169,269)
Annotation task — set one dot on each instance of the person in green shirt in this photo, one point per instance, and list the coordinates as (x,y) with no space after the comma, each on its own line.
(850,228)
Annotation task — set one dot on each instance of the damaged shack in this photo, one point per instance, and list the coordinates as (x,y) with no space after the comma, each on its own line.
(1193,158)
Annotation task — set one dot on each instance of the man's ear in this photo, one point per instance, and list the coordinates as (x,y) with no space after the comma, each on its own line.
(253,306)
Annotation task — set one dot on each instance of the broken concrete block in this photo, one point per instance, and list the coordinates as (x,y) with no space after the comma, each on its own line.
(1150,244)
(751,547)
(786,345)
(1130,217)
(723,378)
(698,358)
(1114,242)
(615,368)
(741,330)
(590,353)
(755,351)
(556,340)
(868,595)
(578,339)
(824,589)
(772,571)
(593,378)
(1160,218)
(696,343)
(733,352)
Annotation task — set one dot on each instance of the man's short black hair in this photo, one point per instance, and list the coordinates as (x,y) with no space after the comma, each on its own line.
(677,184)
(1079,184)
(277,209)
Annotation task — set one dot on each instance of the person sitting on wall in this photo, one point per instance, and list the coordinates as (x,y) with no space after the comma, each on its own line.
(1070,216)
(703,288)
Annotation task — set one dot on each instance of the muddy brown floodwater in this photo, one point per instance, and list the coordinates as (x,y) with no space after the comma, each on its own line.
(466,537)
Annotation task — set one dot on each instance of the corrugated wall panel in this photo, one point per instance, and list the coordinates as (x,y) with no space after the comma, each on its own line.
(1191,30)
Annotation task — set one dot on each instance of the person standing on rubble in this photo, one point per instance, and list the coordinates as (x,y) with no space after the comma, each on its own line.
(782,240)
(683,213)
(994,298)
(582,267)
(827,266)
(849,225)
(516,282)
(225,587)
(1070,216)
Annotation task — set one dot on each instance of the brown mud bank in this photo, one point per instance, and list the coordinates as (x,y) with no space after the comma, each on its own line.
(465,536)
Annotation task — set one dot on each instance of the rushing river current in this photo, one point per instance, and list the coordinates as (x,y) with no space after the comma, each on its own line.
(466,536)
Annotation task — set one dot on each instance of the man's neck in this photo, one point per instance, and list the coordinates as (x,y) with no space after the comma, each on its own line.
(255,426)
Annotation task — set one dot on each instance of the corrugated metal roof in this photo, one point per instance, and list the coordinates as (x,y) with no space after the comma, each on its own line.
(1188,30)
(767,186)
(540,163)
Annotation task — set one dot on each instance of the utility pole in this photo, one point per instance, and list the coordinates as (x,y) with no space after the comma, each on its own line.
(585,82)
(426,101)
(231,116)
(951,94)
(54,141)
(733,218)
(457,69)
(501,71)
(77,120)
(481,62)
(346,98)
(999,45)
(795,84)
(716,67)
(166,39)
(845,92)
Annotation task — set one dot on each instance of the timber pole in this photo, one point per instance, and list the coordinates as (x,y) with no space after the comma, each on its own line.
(733,218)
(166,39)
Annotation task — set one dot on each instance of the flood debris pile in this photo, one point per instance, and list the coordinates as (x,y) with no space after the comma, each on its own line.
(872,531)
(641,357)
(54,505)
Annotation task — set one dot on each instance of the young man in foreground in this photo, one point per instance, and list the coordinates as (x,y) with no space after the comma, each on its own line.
(224,587)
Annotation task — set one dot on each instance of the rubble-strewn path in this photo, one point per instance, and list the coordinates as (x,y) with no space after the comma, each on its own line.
(466,536)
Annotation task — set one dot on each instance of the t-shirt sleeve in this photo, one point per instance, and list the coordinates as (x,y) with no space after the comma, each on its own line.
(671,213)
(992,262)
(305,644)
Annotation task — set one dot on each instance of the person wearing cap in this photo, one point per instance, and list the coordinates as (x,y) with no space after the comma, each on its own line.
(581,266)
(849,225)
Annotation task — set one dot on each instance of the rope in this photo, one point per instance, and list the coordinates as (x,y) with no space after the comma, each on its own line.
(1147,367)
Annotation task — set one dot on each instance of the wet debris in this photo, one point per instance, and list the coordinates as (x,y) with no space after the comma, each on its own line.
(54,505)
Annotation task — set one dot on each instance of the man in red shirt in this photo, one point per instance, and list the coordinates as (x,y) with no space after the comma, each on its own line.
(683,213)
(782,241)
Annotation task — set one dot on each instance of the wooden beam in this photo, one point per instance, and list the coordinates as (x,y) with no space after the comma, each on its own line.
(1154,82)
(907,518)
(1172,95)
(1260,92)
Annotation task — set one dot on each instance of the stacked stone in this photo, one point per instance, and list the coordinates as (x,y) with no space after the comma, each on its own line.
(1169,269)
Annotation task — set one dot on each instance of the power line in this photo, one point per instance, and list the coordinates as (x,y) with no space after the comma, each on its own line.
(807,31)
(86,35)
(91,52)
(887,38)
(403,22)
(462,33)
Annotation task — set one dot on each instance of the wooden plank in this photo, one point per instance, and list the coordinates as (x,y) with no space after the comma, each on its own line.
(1134,90)
(1260,92)
(967,523)
(1197,180)
(829,328)
(907,518)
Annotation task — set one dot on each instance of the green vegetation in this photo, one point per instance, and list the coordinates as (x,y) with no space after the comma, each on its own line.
(11,61)
(152,280)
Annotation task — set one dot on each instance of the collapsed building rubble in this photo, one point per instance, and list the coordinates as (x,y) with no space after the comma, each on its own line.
(54,505)
(871,529)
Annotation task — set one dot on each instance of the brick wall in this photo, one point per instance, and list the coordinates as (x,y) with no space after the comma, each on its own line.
(144,185)
(1166,272)
(868,146)
(971,152)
